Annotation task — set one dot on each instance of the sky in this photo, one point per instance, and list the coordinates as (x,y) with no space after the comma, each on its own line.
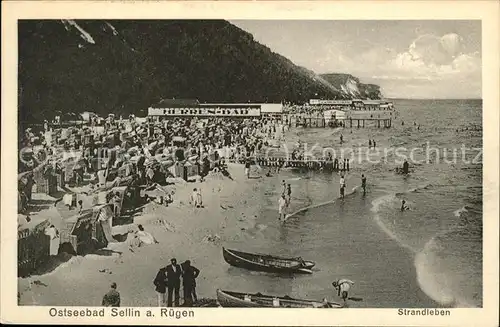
(408,59)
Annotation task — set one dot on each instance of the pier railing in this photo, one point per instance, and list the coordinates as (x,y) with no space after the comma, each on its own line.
(349,118)
(283,162)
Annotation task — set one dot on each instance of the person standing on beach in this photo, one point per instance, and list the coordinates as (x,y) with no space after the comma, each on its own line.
(117,201)
(112,298)
(247,168)
(343,286)
(160,283)
(341,138)
(281,207)
(363,183)
(283,187)
(101,177)
(199,199)
(173,282)
(189,275)
(194,198)
(289,194)
(347,164)
(374,144)
(369,144)
(342,186)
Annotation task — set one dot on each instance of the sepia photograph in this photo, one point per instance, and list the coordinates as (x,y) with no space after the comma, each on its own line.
(179,164)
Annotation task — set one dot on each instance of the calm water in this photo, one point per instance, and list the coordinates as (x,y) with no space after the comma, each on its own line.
(428,256)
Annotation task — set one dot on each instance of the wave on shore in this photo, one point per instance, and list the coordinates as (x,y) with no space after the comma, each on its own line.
(376,205)
(437,274)
(437,262)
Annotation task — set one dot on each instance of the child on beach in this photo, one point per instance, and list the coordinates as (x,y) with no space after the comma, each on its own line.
(404,206)
(111,298)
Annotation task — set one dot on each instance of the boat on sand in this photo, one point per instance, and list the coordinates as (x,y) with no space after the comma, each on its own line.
(266,262)
(258,300)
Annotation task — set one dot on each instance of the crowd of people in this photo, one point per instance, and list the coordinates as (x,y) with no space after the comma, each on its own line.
(137,154)
(134,152)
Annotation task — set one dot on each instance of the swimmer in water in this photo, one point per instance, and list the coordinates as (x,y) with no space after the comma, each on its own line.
(404,206)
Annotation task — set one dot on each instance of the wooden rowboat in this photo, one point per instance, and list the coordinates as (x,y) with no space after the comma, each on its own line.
(265,262)
(246,300)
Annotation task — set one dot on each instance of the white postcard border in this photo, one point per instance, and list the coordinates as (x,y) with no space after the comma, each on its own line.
(487,11)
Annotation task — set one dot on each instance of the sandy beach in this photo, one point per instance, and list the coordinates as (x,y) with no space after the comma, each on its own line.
(181,231)
(232,209)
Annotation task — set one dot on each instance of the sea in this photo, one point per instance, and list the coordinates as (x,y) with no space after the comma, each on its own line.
(427,256)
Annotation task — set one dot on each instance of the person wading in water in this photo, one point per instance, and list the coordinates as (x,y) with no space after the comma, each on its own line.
(288,194)
(342,186)
(281,207)
(363,183)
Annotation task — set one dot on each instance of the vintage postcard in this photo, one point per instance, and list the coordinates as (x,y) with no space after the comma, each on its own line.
(250,163)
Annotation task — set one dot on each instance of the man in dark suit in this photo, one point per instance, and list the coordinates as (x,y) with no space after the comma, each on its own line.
(173,282)
(189,275)
(161,285)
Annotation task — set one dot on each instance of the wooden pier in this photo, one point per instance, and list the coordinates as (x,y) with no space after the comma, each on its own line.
(350,119)
(283,162)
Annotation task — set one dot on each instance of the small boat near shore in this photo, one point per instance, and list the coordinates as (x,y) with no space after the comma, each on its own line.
(246,300)
(266,262)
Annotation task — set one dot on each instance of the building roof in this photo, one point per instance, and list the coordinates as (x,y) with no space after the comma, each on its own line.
(267,108)
(177,103)
(371,101)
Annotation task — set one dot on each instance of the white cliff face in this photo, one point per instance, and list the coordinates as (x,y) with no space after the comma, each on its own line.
(350,88)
